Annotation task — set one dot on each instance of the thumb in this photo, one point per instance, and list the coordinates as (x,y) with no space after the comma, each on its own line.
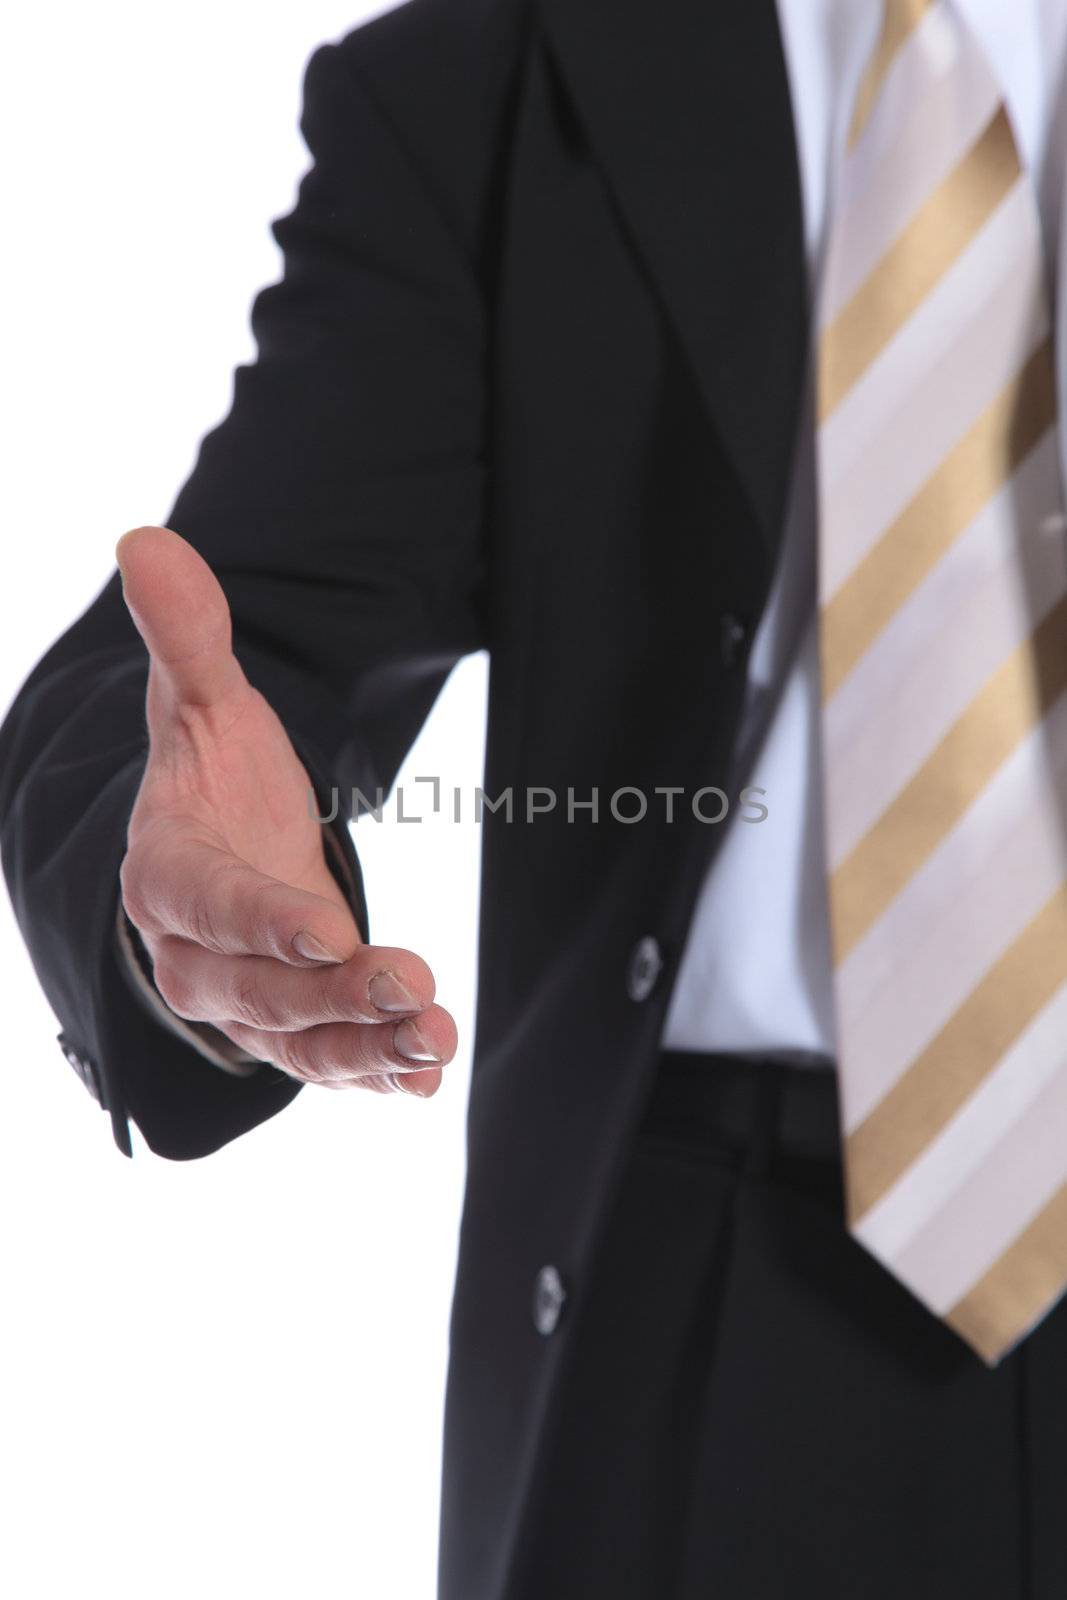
(181,613)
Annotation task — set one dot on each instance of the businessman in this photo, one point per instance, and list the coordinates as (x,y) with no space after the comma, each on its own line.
(700,363)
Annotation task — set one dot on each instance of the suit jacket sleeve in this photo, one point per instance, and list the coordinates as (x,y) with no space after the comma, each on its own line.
(340,504)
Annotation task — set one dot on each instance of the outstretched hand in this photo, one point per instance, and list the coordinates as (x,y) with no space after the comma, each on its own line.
(225,876)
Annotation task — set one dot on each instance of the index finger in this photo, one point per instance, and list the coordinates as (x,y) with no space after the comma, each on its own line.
(204,893)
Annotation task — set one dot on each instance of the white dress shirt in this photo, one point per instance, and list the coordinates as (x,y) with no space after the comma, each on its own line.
(756,972)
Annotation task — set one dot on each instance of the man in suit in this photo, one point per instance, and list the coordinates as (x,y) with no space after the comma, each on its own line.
(697,363)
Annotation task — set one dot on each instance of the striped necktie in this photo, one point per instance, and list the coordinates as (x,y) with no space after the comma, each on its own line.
(943,650)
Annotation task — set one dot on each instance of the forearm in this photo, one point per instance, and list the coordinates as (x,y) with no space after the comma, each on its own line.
(340,505)
(72,754)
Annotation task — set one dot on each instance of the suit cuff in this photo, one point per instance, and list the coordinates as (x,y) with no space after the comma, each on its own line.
(211,1043)
(207,1041)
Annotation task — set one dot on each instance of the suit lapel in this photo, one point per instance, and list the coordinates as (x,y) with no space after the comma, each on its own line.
(687,110)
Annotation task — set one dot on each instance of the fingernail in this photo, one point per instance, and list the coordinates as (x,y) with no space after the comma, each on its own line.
(306,945)
(409,1043)
(409,1085)
(388,993)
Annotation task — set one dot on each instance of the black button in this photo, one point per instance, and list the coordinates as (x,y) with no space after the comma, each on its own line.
(646,964)
(733,637)
(549,1297)
(82,1066)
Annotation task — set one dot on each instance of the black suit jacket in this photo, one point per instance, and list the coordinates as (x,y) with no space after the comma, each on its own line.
(530,383)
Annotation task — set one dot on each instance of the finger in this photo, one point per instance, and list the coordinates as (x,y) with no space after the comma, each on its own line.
(350,1055)
(181,613)
(374,985)
(203,893)
(422,1084)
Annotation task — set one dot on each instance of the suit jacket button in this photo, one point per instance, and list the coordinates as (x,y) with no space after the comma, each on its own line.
(82,1066)
(646,964)
(548,1300)
(733,637)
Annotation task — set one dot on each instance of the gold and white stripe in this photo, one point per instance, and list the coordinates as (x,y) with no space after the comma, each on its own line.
(943,651)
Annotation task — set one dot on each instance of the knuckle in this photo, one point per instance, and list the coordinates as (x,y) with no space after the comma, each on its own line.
(254,1004)
(248,905)
(342,994)
(367,1053)
(207,897)
(259,916)
(338,1053)
(175,987)
(133,889)
(289,1052)
(199,920)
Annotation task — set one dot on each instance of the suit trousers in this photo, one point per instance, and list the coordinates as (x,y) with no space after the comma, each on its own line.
(749,1407)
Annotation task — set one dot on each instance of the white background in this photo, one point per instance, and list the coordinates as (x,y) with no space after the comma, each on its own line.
(220,1378)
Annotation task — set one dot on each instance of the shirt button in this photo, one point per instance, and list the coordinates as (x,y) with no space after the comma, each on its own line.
(733,636)
(646,964)
(548,1300)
